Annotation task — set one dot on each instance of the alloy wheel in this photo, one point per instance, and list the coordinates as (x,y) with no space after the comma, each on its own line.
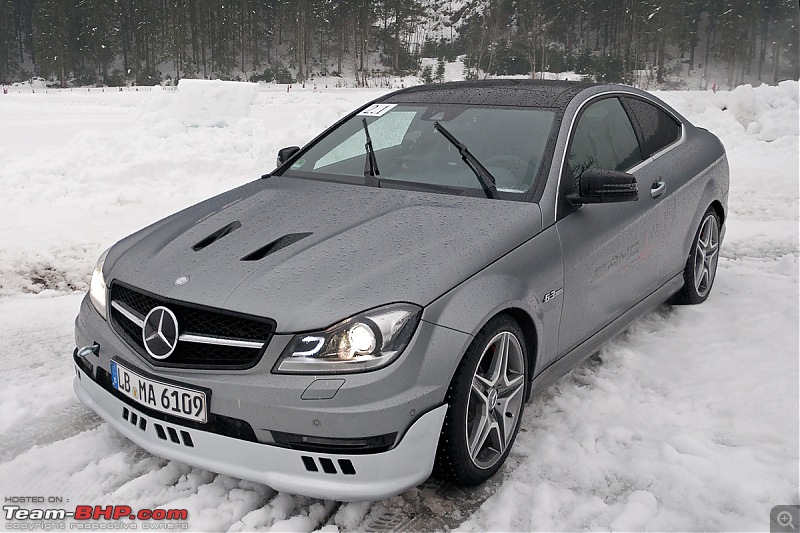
(495,400)
(706,256)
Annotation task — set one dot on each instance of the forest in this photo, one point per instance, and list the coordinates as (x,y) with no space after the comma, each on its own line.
(124,42)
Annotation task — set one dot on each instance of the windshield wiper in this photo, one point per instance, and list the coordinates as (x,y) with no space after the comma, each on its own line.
(371,163)
(483,175)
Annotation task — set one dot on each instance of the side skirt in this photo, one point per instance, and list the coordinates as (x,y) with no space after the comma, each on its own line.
(564,364)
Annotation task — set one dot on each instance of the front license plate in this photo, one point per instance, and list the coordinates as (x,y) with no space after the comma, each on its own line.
(161,397)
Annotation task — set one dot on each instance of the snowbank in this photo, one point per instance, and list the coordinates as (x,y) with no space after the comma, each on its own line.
(198,104)
(204,103)
(759,112)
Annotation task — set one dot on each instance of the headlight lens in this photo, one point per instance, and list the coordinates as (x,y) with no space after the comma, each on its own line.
(367,341)
(97,290)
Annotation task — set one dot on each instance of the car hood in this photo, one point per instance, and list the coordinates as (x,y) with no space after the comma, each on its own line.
(365,247)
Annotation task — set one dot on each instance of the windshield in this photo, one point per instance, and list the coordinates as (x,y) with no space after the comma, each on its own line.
(508,142)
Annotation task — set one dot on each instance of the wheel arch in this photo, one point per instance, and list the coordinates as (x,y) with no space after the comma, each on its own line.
(709,199)
(531,337)
(702,209)
(717,206)
(531,331)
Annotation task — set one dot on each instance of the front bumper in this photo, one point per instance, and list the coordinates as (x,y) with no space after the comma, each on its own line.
(384,402)
(319,475)
(250,409)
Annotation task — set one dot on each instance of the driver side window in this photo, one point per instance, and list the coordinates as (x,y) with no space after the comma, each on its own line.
(604,138)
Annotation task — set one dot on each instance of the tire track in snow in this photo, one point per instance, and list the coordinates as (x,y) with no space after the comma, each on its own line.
(436,505)
(47,430)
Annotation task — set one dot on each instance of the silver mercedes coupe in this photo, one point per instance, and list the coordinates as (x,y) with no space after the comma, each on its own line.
(383,304)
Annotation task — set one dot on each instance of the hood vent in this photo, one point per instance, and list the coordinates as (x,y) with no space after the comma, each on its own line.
(274,246)
(217,235)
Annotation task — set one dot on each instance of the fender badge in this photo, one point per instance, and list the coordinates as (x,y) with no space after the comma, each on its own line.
(183,280)
(552,294)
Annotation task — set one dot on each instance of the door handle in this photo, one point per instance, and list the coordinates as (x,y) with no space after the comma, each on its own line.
(658,188)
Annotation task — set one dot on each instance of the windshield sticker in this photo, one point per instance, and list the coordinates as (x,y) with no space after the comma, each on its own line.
(376,110)
(299,163)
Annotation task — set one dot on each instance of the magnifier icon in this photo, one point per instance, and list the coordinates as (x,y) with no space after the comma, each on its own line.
(784,518)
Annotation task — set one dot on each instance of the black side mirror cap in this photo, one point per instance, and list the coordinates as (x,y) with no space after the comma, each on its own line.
(599,186)
(284,154)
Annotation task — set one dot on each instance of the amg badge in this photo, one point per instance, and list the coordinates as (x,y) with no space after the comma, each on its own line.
(552,294)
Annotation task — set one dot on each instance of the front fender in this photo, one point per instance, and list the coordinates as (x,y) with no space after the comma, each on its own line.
(519,280)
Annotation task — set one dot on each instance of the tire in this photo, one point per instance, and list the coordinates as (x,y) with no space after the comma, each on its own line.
(701,266)
(486,400)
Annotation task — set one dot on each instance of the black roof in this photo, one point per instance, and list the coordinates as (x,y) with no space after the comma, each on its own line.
(503,92)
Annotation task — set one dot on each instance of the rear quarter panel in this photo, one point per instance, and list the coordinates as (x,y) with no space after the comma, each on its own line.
(704,166)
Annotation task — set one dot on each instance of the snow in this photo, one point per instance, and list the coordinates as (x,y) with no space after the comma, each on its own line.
(454,71)
(656,433)
(759,112)
(213,103)
(687,421)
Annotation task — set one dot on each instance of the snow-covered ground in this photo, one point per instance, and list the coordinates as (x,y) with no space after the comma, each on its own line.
(688,421)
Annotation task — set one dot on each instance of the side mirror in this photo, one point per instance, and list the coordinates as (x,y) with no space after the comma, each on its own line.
(598,186)
(284,154)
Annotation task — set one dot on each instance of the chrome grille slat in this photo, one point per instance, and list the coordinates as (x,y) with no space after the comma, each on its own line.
(127,313)
(219,341)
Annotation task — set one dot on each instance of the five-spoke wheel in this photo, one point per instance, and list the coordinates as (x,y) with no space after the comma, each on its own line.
(701,267)
(486,400)
(495,400)
(706,255)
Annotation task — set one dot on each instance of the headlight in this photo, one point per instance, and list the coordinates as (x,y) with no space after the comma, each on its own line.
(367,341)
(97,290)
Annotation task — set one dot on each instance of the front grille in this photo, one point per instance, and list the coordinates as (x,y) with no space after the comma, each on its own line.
(217,327)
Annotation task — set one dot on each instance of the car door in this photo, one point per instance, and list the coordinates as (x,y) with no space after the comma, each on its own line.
(607,248)
(660,178)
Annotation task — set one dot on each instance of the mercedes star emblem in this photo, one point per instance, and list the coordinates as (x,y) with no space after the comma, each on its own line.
(160,332)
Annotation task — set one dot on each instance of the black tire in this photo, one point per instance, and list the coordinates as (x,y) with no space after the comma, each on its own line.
(701,265)
(468,401)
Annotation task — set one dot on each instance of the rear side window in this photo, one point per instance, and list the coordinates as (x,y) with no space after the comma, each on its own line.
(659,130)
(604,138)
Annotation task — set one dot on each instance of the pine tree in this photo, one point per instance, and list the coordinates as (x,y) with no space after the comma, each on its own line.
(99,35)
(404,13)
(427,74)
(6,39)
(440,66)
(55,47)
